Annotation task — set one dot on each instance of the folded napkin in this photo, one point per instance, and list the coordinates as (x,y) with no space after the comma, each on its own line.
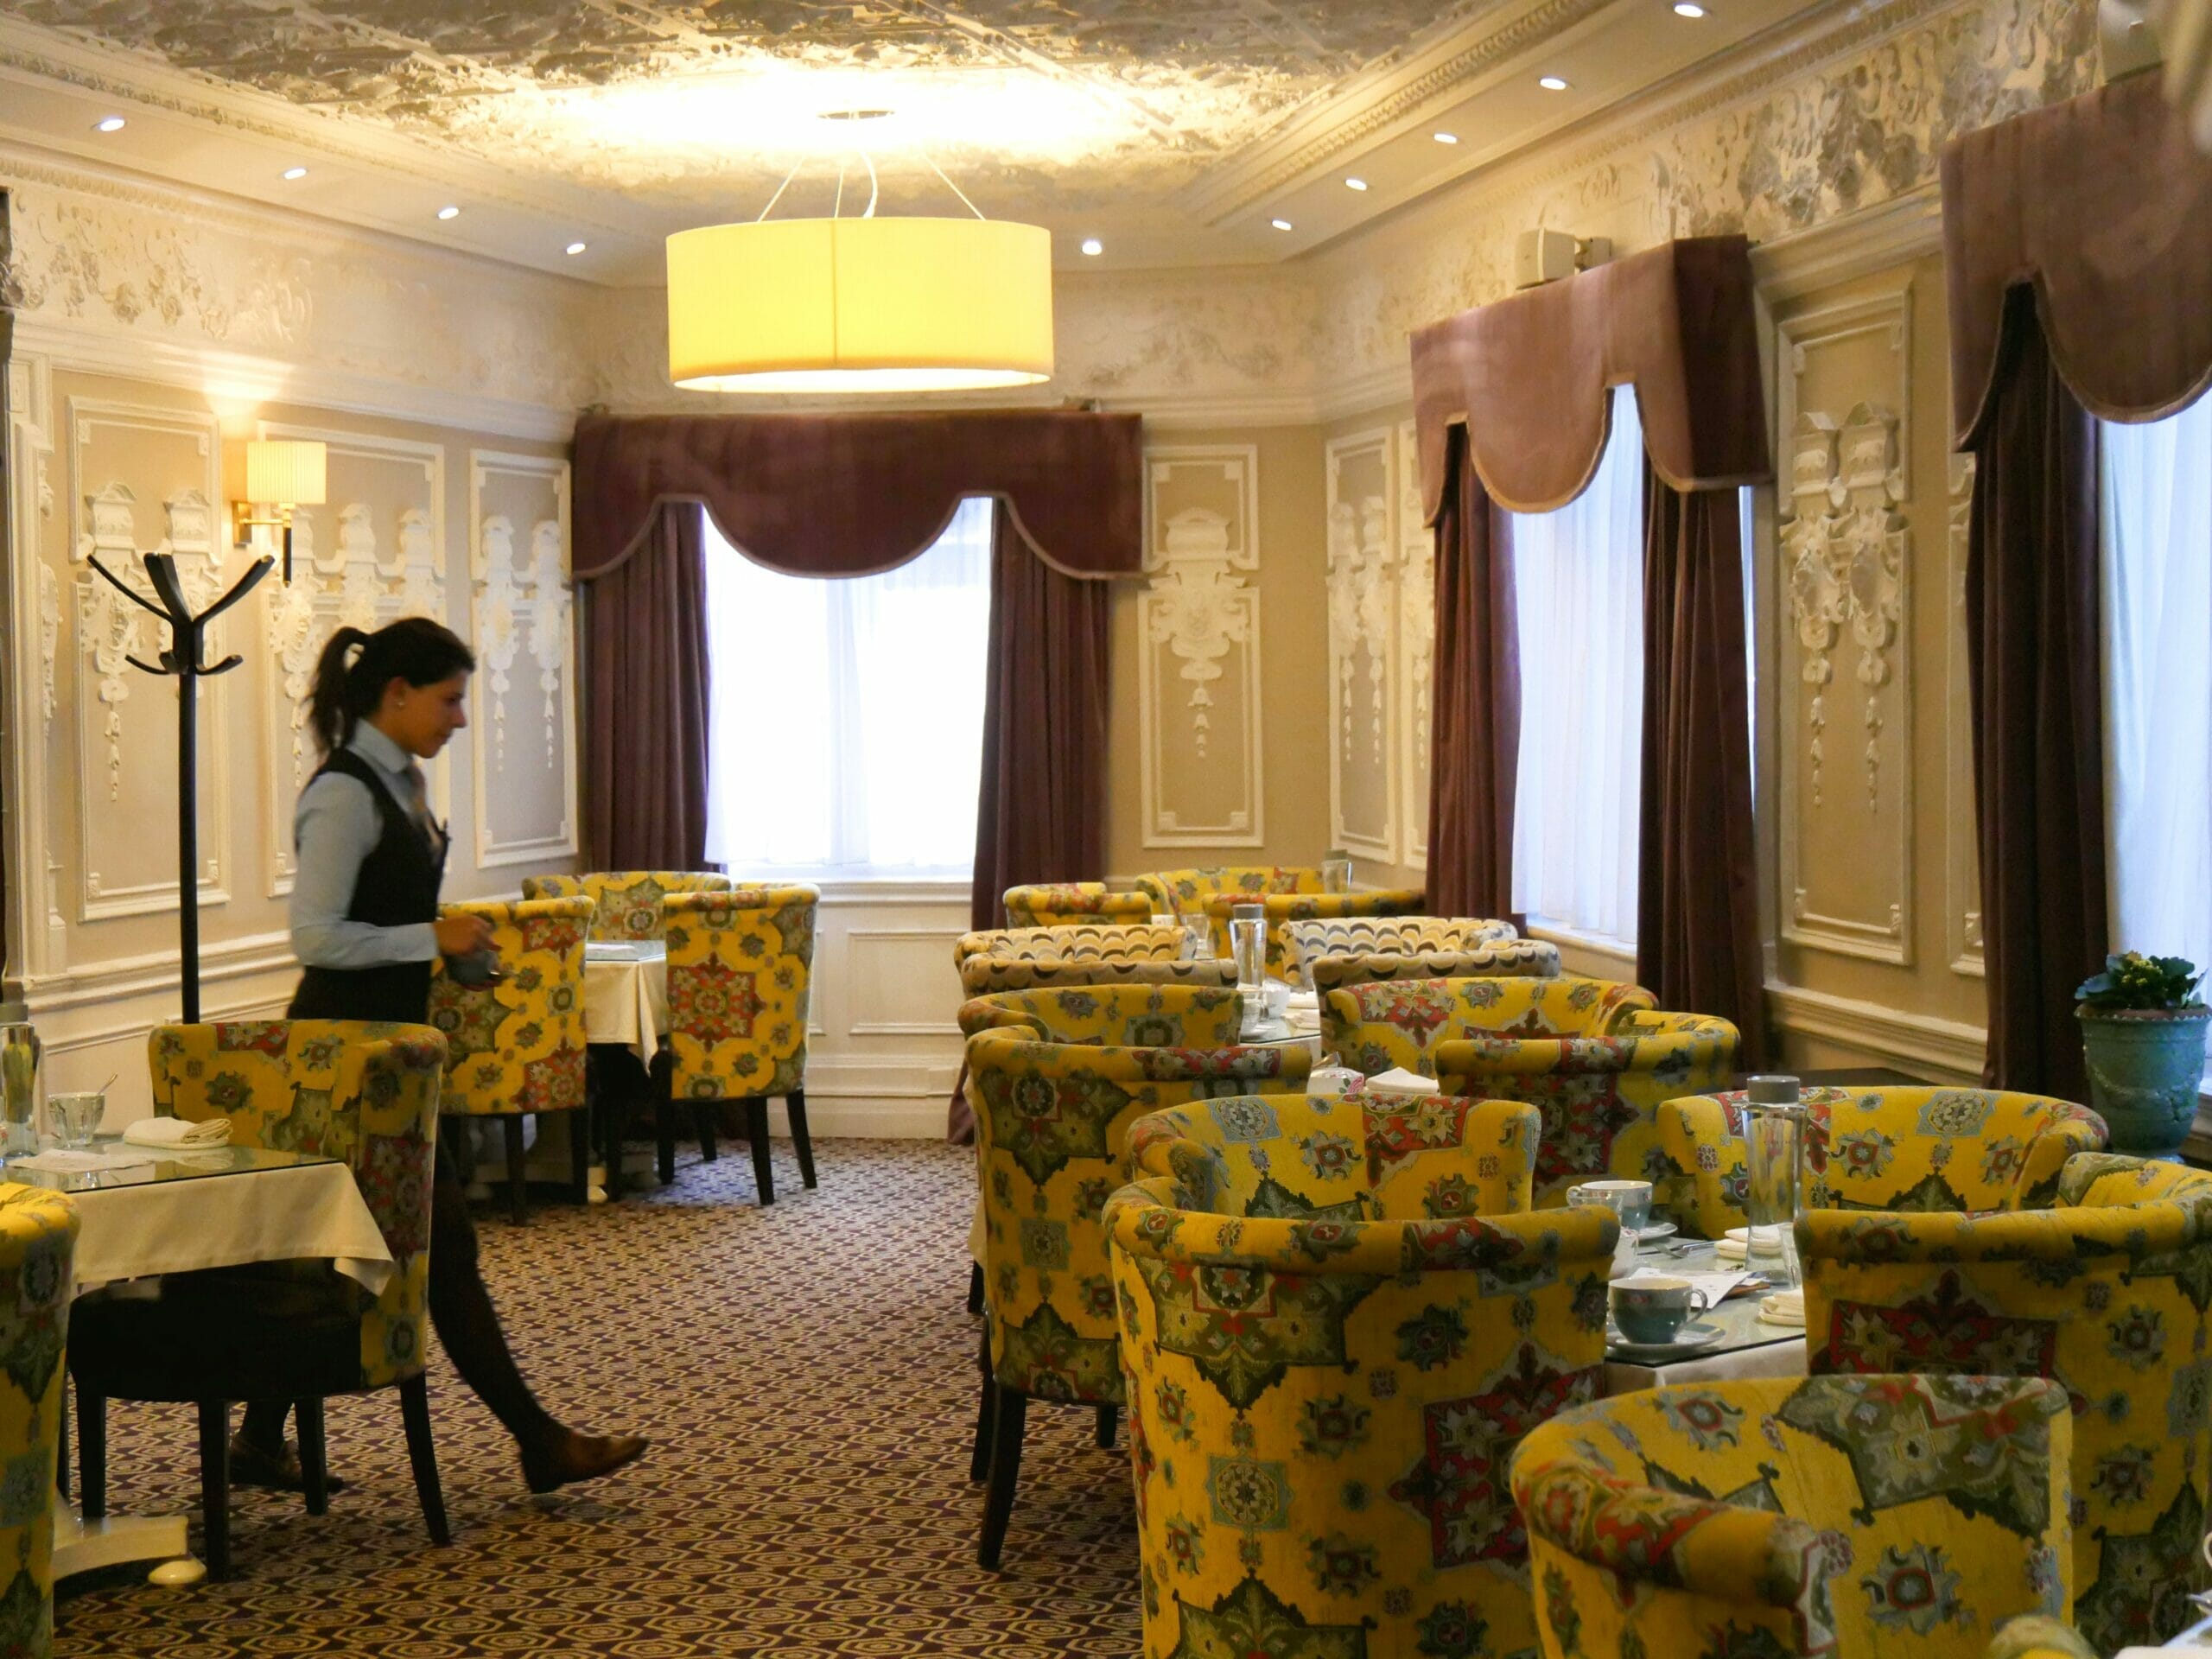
(176,1132)
(1399,1081)
(1783,1307)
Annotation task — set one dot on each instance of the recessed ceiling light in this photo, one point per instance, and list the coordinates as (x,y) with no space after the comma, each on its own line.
(575,247)
(448,212)
(1688,9)
(109,124)
(1355,184)
(1446,137)
(1280,224)
(1551,83)
(295,172)
(1093,246)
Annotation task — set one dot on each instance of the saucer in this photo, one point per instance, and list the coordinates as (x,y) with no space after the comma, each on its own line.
(1654,1233)
(1693,1338)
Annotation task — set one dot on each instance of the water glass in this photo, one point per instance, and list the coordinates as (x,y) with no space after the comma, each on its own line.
(1336,871)
(19,1058)
(1773,1147)
(76,1116)
(1248,946)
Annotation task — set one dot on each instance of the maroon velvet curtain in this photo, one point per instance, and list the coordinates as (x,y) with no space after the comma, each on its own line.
(2032,647)
(1040,813)
(1475,738)
(644,726)
(1697,926)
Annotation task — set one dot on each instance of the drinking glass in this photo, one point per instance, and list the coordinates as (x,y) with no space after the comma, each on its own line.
(1774,1147)
(19,1058)
(1248,946)
(1336,871)
(76,1116)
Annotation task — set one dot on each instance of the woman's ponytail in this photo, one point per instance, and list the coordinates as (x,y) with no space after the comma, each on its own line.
(414,649)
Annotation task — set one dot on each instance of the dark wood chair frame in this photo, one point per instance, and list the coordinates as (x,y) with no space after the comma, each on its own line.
(1001,1415)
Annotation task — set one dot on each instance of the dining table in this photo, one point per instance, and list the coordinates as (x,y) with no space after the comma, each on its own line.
(1750,1343)
(625,1018)
(143,1212)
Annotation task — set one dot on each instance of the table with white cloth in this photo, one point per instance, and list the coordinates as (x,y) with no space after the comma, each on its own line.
(1749,1346)
(178,1212)
(625,1008)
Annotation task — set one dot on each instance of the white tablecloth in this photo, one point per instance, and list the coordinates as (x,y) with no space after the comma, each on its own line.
(130,1230)
(626,999)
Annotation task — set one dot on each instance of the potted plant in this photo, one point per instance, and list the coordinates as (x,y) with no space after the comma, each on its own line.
(2143,1038)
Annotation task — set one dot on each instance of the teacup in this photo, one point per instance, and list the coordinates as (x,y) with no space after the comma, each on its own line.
(1630,1200)
(1654,1307)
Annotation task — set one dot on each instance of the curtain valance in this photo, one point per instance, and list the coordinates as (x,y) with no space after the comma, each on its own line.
(1530,375)
(2104,208)
(846,495)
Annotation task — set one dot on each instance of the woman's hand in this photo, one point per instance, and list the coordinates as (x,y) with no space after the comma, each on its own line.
(461,936)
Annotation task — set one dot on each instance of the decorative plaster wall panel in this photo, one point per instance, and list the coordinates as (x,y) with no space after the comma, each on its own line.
(1416,650)
(1363,669)
(1962,850)
(1198,622)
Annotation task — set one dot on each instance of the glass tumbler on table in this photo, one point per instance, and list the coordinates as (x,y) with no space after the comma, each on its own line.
(1336,871)
(1774,1150)
(1248,947)
(19,1058)
(77,1116)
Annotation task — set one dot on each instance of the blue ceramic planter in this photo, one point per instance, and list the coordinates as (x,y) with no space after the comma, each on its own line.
(2145,1067)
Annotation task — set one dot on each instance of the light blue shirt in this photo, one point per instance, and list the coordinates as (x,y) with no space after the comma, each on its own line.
(334,828)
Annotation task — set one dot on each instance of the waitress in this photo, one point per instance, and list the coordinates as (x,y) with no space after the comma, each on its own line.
(365,927)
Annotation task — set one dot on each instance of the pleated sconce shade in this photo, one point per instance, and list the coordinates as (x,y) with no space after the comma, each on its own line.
(286,472)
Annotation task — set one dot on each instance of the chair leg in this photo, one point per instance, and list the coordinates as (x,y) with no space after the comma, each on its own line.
(665,1126)
(314,1455)
(91,1453)
(801,1142)
(756,1125)
(1108,1417)
(702,1121)
(987,1411)
(579,1137)
(422,1456)
(215,1485)
(518,1192)
(974,1287)
(1006,1468)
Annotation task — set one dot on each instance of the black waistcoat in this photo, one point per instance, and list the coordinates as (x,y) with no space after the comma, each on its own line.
(398,886)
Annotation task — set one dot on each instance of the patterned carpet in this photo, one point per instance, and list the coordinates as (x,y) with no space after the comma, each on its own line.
(807,1375)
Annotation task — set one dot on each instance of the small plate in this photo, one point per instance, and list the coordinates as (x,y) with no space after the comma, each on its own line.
(1694,1338)
(1654,1232)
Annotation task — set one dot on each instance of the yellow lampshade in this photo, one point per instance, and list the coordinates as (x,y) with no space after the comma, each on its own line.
(860,305)
(284,472)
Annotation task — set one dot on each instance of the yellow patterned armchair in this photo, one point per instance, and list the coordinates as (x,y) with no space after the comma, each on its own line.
(1055,1079)
(2104,1292)
(1841,1517)
(626,903)
(1901,1149)
(38,1234)
(1321,1405)
(1590,1054)
(1070,904)
(365,1093)
(516,1047)
(1284,909)
(1329,955)
(741,967)
(1184,893)
(1025,958)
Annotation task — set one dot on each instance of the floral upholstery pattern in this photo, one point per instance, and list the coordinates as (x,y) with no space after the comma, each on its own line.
(1056,1079)
(1897,1149)
(2105,1293)
(1590,1054)
(1184,893)
(740,965)
(1507,959)
(517,1046)
(627,903)
(1846,1517)
(1067,904)
(364,1093)
(1321,1406)
(38,1233)
(1284,908)
(1021,958)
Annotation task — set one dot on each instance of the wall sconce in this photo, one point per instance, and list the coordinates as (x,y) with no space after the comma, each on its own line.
(283,473)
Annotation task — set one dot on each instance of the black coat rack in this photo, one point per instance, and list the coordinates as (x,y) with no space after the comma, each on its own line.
(183,660)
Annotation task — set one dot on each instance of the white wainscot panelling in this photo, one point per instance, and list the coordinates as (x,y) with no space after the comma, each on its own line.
(1362,598)
(1416,706)
(1198,674)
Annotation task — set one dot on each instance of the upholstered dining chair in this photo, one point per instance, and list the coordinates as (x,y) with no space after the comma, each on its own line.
(1070,904)
(1322,1399)
(1283,909)
(365,1093)
(1184,893)
(626,903)
(515,1046)
(1892,1149)
(1327,966)
(1055,1079)
(2102,1288)
(1592,1055)
(38,1236)
(1839,1517)
(740,967)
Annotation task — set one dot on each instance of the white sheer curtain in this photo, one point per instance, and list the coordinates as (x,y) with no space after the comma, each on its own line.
(2156,566)
(1579,581)
(846,730)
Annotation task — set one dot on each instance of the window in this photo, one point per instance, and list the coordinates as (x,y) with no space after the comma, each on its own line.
(846,729)
(1579,584)
(2156,566)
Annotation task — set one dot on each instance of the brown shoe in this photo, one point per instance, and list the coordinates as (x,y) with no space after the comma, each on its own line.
(255,1464)
(566,1456)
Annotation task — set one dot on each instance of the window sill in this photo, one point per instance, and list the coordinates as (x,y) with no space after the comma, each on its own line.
(1599,949)
(874,889)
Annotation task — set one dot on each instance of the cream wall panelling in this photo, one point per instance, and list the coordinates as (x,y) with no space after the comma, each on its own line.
(900,961)
(1962,818)
(1199,649)
(356,563)
(1362,600)
(1846,681)
(38,931)
(522,613)
(122,710)
(1416,650)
